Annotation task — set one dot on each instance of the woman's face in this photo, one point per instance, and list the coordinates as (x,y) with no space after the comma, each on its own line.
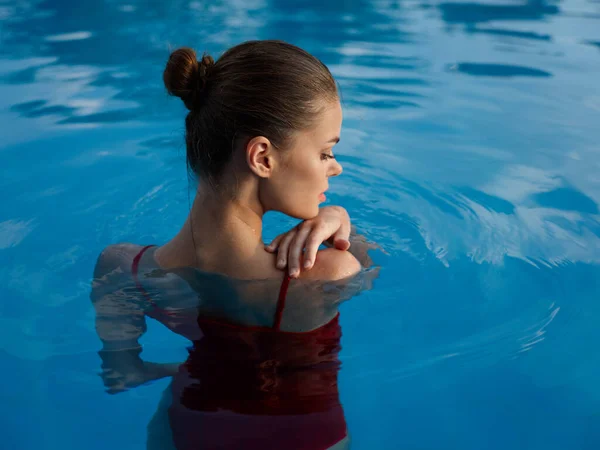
(297,188)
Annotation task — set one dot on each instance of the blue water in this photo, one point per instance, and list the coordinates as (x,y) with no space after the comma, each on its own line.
(471,155)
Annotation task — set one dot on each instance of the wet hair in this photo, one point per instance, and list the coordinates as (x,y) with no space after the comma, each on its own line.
(257,88)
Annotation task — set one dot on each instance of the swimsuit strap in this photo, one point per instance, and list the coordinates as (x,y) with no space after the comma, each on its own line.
(134,273)
(281,301)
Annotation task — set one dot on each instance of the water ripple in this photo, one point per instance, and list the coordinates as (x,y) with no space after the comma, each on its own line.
(470,13)
(498,70)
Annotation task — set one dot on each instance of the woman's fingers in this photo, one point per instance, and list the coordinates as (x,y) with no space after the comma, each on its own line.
(274,243)
(318,235)
(295,249)
(341,238)
(298,247)
(341,244)
(282,249)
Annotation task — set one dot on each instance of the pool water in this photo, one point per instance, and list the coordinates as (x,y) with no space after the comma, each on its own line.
(471,155)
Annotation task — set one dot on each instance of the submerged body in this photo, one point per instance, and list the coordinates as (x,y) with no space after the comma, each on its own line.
(261,372)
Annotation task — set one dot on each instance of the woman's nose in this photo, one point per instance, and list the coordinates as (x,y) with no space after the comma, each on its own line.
(336,169)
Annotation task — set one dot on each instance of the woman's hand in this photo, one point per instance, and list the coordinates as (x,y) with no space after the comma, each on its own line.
(116,382)
(331,225)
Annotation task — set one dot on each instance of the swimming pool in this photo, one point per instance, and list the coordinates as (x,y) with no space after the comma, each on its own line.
(471,155)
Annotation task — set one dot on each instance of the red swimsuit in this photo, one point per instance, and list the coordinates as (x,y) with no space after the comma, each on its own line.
(254,387)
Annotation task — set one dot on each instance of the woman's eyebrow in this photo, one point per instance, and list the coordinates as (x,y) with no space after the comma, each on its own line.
(334,140)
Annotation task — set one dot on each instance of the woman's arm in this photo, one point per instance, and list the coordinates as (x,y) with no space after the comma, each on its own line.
(120,322)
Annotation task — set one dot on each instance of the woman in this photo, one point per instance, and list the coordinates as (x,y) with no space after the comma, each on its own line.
(262,371)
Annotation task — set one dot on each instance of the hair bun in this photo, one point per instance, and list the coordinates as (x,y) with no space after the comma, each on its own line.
(185,77)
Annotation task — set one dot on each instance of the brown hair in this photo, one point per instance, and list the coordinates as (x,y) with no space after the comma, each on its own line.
(257,88)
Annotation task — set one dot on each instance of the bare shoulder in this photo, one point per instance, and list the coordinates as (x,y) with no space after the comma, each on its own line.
(332,264)
(116,257)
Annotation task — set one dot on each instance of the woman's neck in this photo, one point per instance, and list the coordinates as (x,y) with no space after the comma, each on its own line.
(220,233)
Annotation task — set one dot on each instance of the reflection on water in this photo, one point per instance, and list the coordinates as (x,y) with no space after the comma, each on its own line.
(470,149)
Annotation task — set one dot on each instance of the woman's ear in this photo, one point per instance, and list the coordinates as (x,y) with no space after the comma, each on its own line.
(260,156)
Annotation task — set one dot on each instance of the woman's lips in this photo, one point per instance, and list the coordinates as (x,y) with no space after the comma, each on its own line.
(322,196)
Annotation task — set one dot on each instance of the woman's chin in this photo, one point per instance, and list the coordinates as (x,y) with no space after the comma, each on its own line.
(315,212)
(305,214)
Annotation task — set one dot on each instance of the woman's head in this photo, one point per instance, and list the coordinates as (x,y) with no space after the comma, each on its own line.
(269,102)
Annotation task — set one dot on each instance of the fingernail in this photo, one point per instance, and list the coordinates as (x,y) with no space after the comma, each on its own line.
(280,264)
(307,263)
(294,272)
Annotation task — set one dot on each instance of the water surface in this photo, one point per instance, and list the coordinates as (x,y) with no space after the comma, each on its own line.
(471,155)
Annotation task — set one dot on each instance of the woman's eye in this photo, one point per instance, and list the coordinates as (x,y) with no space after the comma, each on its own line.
(325,156)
